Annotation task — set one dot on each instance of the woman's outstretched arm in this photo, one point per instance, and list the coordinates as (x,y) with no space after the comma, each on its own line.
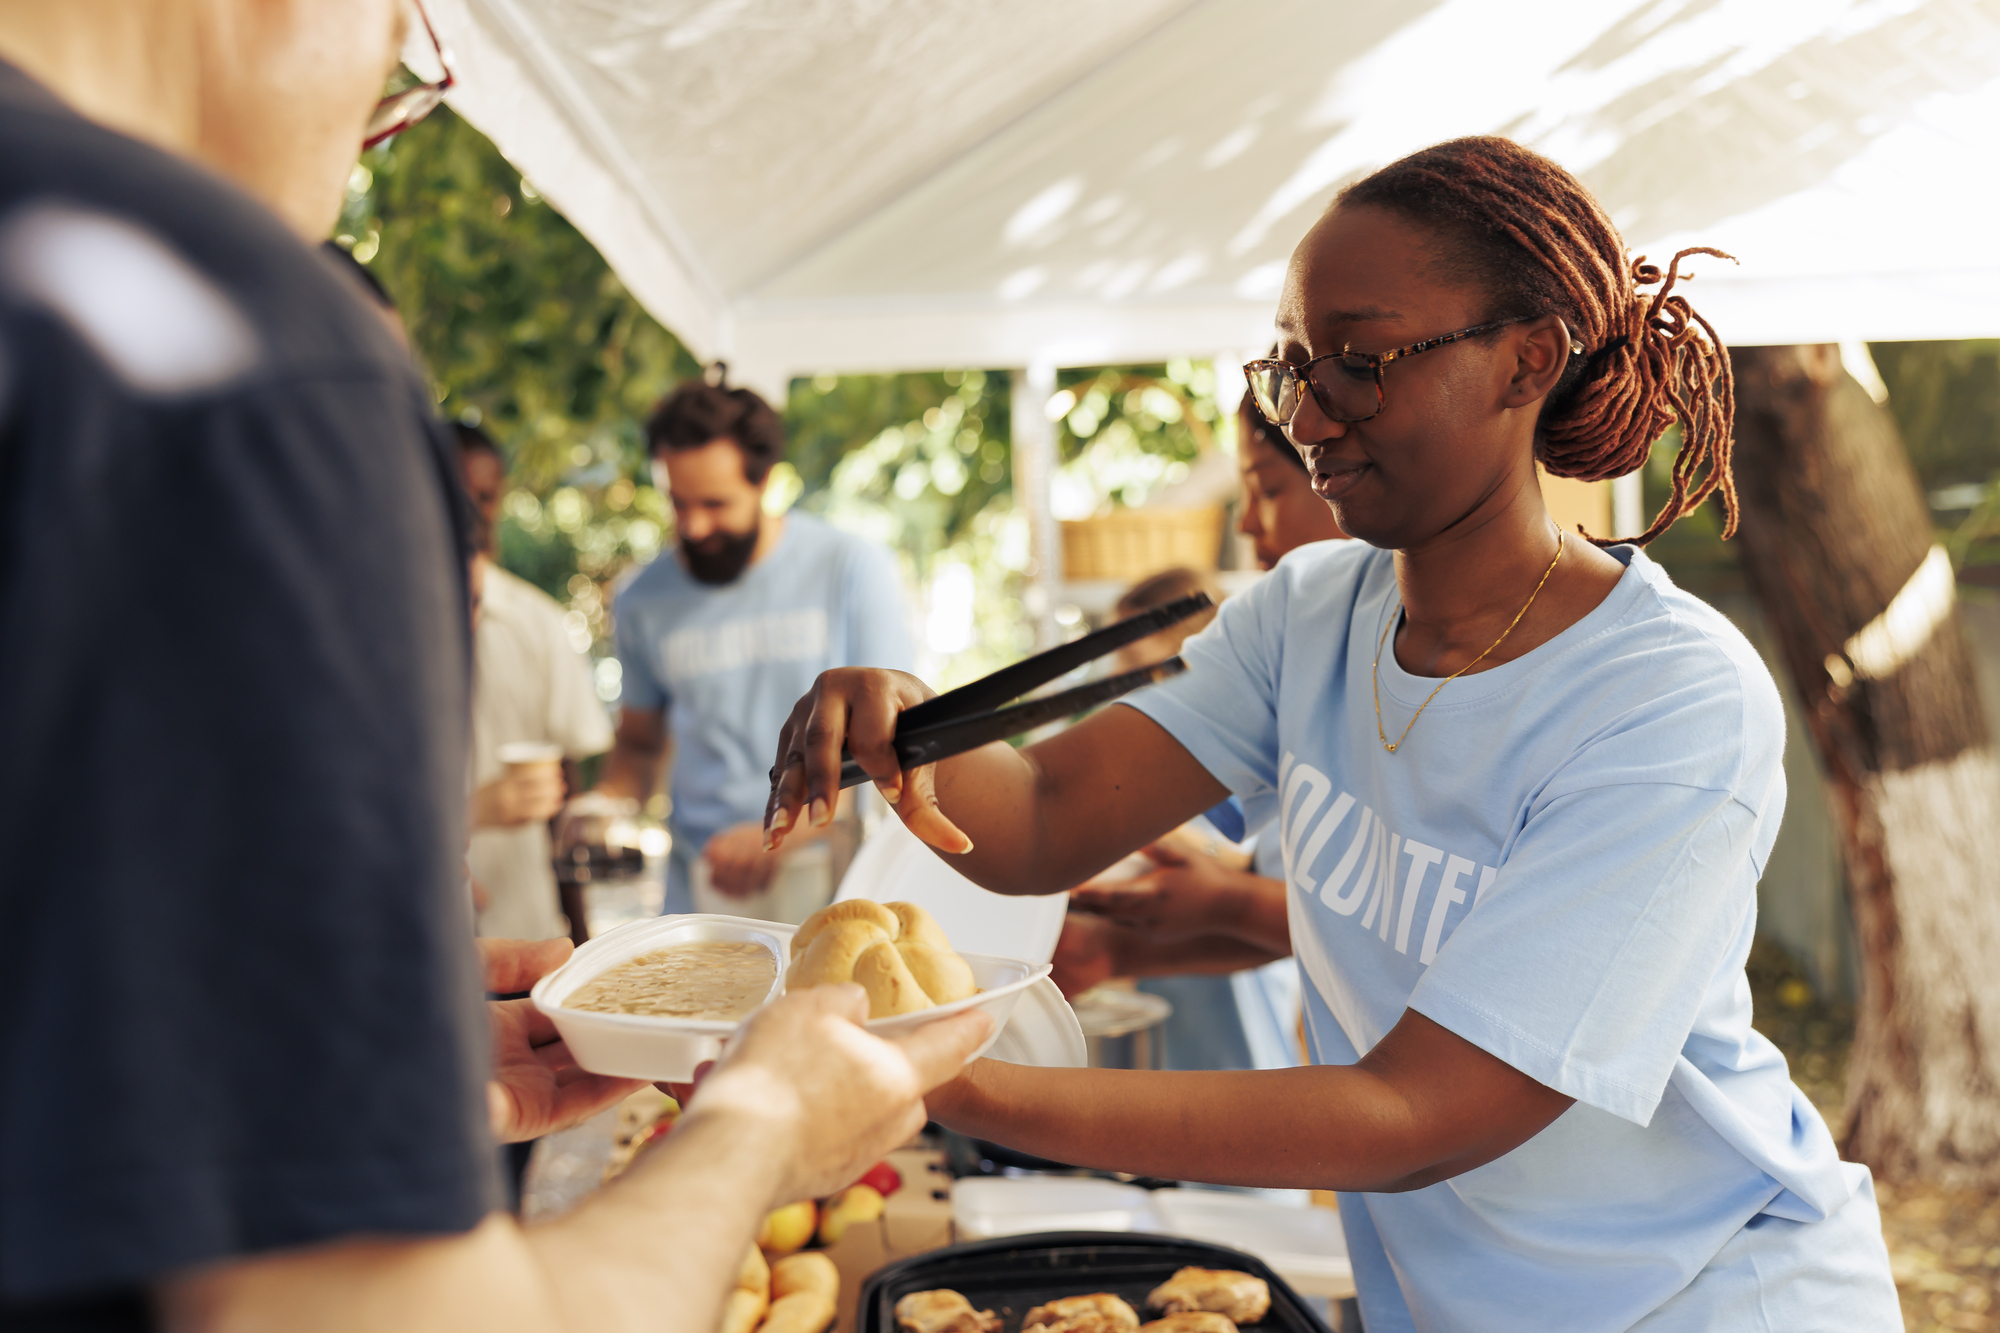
(1033,820)
(1422,1106)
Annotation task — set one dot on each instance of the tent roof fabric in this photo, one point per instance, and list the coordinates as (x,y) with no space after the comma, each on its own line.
(876,185)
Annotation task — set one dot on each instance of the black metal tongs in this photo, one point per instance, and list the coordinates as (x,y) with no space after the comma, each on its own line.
(970,716)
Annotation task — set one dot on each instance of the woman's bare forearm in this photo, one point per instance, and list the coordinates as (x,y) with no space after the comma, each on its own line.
(1050,816)
(1423,1105)
(1324,1127)
(1033,821)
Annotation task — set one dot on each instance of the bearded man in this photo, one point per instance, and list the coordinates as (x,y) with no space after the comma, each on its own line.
(717,643)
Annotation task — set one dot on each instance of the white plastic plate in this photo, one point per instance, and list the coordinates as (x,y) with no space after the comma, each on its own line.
(669,1049)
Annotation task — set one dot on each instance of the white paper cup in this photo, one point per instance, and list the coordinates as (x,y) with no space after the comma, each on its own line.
(516,754)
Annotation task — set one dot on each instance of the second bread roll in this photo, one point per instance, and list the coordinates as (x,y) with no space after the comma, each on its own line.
(742,1312)
(830,958)
(800,1312)
(917,924)
(854,909)
(809,1271)
(886,977)
(944,976)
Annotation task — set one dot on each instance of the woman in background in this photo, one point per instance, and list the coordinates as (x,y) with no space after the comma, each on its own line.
(1202,930)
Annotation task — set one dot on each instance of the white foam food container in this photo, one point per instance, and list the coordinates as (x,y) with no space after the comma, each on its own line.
(668,1050)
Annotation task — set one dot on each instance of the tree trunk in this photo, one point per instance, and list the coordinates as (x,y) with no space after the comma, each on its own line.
(1835,530)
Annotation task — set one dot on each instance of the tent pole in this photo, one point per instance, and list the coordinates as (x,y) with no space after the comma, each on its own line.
(1034,442)
(1628,505)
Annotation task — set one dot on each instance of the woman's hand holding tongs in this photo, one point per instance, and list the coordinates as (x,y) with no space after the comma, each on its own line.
(854,709)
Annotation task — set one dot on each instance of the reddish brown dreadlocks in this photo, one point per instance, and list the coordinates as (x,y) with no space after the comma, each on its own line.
(1526,231)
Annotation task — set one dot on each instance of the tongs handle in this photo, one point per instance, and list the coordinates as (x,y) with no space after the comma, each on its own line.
(917,746)
(1030,673)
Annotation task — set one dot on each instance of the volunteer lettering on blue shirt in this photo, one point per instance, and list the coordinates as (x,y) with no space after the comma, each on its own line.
(1523,788)
(719,637)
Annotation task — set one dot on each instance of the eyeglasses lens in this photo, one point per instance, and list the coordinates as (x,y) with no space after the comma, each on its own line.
(397,113)
(1345,388)
(1273,389)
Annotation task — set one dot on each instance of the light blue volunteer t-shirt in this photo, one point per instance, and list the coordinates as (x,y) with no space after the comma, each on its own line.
(729,662)
(1559,865)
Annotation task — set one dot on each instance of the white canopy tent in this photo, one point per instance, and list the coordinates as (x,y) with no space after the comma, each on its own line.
(803,186)
(877,185)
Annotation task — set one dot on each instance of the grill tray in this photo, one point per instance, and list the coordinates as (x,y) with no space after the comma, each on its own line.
(1012,1275)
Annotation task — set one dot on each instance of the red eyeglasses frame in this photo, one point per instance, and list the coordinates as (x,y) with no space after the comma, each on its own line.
(398,111)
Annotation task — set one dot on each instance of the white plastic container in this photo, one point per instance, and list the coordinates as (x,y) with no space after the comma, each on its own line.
(669,1049)
(1304,1244)
(983,1207)
(649,1045)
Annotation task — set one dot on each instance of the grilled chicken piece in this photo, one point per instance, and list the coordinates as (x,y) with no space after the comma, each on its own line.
(943,1312)
(1191,1321)
(1224,1291)
(1099,1312)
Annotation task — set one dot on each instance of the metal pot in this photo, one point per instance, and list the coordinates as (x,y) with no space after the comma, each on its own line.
(1121,1027)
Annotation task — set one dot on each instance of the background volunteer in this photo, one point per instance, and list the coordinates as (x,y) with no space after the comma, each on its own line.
(528,684)
(717,640)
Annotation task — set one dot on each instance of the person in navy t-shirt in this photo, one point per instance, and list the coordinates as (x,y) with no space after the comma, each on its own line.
(1524,788)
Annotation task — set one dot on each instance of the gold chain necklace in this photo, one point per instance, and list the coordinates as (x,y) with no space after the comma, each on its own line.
(1375,672)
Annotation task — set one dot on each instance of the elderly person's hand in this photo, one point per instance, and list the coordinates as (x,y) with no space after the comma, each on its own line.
(831,1097)
(536,1087)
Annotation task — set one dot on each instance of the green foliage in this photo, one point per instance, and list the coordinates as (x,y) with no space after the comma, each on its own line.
(1691,551)
(525,330)
(1122,431)
(1945,397)
(927,453)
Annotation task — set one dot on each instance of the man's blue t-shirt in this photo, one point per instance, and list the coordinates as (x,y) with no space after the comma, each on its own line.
(728,662)
(1559,865)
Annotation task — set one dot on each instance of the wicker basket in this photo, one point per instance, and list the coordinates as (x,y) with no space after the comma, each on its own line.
(1128,544)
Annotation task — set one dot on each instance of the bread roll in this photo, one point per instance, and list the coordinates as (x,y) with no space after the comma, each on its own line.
(755,1275)
(886,977)
(800,1312)
(917,924)
(742,1311)
(808,1272)
(830,958)
(854,909)
(941,972)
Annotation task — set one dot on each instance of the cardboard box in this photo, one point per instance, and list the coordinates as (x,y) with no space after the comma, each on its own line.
(915,1219)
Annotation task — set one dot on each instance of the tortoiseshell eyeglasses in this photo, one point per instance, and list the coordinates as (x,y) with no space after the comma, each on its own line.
(1347,385)
(398,111)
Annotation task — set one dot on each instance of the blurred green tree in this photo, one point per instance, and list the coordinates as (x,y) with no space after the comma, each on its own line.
(1945,397)
(525,330)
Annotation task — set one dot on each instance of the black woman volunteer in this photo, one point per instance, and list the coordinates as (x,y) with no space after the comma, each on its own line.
(1525,788)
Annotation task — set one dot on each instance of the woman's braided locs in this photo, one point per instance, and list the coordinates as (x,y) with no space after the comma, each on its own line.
(1524,229)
